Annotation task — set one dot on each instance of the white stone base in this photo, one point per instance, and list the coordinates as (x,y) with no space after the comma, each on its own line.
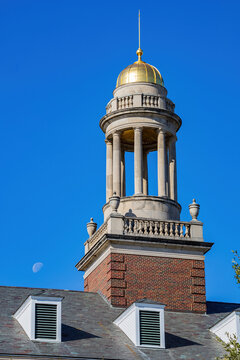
(151,207)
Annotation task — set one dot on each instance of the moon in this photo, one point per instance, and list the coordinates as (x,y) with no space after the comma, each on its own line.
(37,267)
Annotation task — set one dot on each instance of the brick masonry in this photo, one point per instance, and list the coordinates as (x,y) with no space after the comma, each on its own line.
(123,279)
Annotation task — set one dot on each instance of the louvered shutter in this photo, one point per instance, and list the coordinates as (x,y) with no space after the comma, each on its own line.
(45,321)
(149,328)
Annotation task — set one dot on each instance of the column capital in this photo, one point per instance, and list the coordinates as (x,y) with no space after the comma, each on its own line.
(161,131)
(107,141)
(138,128)
(116,133)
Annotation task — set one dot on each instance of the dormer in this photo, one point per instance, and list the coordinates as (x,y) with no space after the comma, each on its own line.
(228,326)
(40,317)
(143,323)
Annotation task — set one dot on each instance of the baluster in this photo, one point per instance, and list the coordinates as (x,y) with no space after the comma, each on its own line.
(144,100)
(125,226)
(130,231)
(145,227)
(155,229)
(171,229)
(161,228)
(151,228)
(181,230)
(156,101)
(176,229)
(140,227)
(131,100)
(166,229)
(135,226)
(187,231)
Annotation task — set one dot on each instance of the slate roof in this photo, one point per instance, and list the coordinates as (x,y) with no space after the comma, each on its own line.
(88,331)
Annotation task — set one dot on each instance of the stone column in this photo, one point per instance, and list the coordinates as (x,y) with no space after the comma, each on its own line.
(172,169)
(109,170)
(167,168)
(161,150)
(138,161)
(117,163)
(123,176)
(145,173)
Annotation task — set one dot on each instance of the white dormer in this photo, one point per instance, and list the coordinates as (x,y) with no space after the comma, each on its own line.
(143,323)
(230,325)
(40,318)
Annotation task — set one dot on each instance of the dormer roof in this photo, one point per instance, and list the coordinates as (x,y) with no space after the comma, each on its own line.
(88,330)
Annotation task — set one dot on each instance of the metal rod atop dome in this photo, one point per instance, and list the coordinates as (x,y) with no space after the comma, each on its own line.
(139,50)
(139,30)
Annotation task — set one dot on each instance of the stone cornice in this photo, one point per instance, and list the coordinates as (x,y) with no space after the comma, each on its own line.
(136,111)
(166,243)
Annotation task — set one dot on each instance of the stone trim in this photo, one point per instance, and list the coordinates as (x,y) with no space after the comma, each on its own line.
(133,251)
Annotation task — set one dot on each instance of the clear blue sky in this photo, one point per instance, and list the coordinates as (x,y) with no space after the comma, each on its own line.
(58,67)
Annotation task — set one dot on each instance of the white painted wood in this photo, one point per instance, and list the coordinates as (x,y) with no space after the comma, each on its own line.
(228,326)
(25,315)
(129,322)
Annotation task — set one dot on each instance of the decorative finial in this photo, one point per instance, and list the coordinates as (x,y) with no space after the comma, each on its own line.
(114,202)
(139,50)
(91,227)
(194,210)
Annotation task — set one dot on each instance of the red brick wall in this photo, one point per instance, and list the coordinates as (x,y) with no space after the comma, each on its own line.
(123,279)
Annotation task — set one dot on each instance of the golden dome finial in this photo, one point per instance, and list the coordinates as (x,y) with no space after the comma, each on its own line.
(139,50)
(139,54)
(139,71)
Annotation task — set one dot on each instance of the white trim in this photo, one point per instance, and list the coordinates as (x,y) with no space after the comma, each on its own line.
(229,324)
(150,251)
(25,315)
(125,319)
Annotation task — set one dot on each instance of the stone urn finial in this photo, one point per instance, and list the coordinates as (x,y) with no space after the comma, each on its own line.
(194,210)
(91,227)
(114,202)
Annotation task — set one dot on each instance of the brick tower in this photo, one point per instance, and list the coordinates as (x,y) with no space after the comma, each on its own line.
(143,250)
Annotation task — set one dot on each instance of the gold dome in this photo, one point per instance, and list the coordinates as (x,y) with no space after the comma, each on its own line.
(140,71)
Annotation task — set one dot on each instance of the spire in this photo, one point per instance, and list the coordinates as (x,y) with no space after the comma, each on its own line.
(139,50)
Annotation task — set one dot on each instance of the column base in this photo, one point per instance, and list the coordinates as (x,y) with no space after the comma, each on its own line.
(150,207)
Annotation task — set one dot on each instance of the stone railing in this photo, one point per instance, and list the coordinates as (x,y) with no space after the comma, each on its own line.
(151,101)
(125,102)
(117,224)
(139,100)
(170,105)
(137,226)
(95,237)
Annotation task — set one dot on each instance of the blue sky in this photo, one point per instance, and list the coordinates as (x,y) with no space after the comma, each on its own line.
(58,67)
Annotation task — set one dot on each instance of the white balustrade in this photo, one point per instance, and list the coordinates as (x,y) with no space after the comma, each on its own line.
(125,102)
(138,100)
(146,227)
(97,235)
